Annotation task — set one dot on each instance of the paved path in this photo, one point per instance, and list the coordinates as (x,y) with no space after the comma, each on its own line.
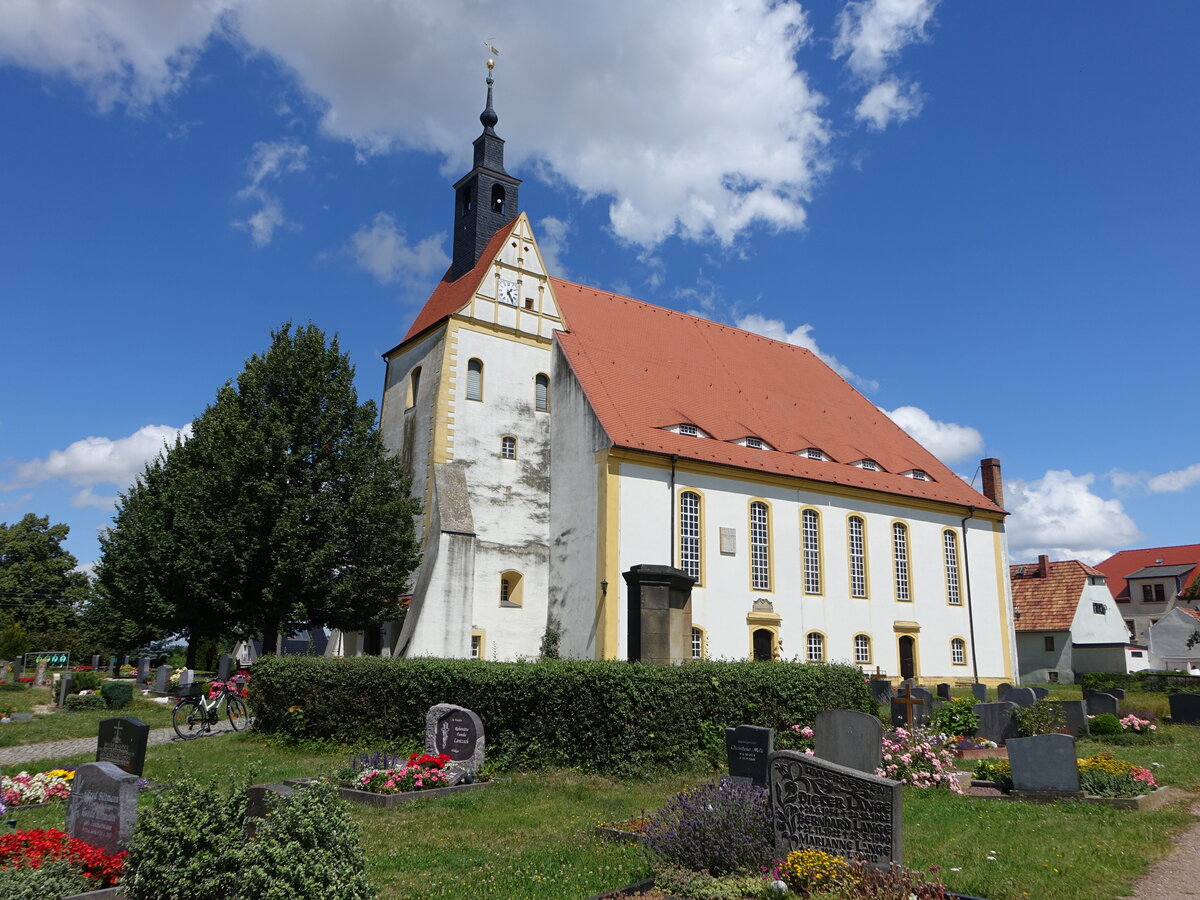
(23,753)
(1178,875)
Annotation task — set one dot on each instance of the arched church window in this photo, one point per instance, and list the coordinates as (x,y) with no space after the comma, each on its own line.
(541,393)
(475,380)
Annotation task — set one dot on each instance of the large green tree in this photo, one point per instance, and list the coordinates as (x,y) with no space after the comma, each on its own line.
(40,585)
(282,510)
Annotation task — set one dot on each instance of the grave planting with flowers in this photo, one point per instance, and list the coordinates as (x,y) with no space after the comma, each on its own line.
(48,859)
(919,759)
(420,772)
(24,789)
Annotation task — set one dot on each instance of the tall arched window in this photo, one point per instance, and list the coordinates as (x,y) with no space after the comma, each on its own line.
(689,533)
(760,546)
(857,534)
(900,560)
(950,545)
(816,646)
(958,652)
(541,393)
(862,650)
(475,380)
(498,198)
(414,383)
(811,523)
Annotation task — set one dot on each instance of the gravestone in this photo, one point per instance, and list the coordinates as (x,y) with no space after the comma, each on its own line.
(1001,689)
(3,671)
(95,662)
(162,679)
(911,707)
(143,670)
(1185,708)
(458,733)
(1021,696)
(996,721)
(112,664)
(921,714)
(224,667)
(1117,692)
(979,692)
(747,748)
(185,681)
(849,738)
(881,690)
(1040,693)
(1099,703)
(102,809)
(943,691)
(39,675)
(122,742)
(1075,716)
(64,689)
(1045,762)
(821,805)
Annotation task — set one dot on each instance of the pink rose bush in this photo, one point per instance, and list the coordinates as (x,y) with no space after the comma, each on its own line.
(918,759)
(422,772)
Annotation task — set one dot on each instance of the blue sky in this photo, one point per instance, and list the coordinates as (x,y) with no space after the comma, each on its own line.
(983,214)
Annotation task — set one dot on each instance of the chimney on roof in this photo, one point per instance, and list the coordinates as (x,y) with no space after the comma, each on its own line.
(993,484)
(1044,566)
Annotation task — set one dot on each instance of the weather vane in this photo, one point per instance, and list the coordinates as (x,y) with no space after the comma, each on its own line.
(491,63)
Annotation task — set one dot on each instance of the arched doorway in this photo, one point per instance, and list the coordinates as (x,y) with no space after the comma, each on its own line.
(908,656)
(764,644)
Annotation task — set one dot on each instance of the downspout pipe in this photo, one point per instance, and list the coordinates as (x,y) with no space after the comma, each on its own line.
(970,609)
(671,536)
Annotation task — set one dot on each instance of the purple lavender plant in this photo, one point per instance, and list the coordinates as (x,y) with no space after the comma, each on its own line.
(722,828)
(380,759)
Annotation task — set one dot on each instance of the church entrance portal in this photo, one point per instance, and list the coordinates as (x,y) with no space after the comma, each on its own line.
(908,666)
(764,645)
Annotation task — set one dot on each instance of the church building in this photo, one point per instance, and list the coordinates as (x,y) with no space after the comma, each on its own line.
(560,435)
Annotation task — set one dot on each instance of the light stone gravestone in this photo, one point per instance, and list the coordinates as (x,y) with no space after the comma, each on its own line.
(1185,708)
(143,670)
(95,662)
(1001,689)
(995,721)
(224,667)
(821,805)
(747,749)
(122,742)
(457,732)
(1099,703)
(185,681)
(162,679)
(849,738)
(1021,696)
(1045,762)
(102,809)
(1040,693)
(39,675)
(979,692)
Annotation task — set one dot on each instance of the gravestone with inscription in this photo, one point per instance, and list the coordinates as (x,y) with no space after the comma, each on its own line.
(458,733)
(1045,762)
(122,742)
(1099,703)
(996,721)
(1185,708)
(849,738)
(1021,696)
(102,809)
(979,692)
(162,679)
(821,805)
(747,749)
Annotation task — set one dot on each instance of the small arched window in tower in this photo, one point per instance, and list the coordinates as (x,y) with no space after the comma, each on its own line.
(508,447)
(498,198)
(414,382)
(466,199)
(475,380)
(510,590)
(541,393)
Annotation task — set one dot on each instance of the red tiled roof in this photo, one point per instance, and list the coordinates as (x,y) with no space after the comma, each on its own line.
(1048,603)
(645,368)
(451,296)
(1194,613)
(1126,562)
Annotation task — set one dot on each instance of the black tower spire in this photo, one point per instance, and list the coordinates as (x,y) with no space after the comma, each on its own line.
(485,199)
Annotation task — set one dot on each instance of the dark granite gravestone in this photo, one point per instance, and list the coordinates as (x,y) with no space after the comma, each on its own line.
(849,738)
(122,743)
(1075,715)
(1021,696)
(821,805)
(224,667)
(881,690)
(747,748)
(996,721)
(1040,693)
(1099,703)
(1045,762)
(1117,692)
(1185,708)
(979,692)
(143,670)
(943,691)
(64,689)
(162,679)
(458,733)
(95,662)
(102,809)
(1001,689)
(905,707)
(921,713)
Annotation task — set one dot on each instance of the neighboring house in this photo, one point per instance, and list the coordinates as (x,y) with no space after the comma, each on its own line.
(560,435)
(1066,622)
(313,642)
(1151,582)
(1169,638)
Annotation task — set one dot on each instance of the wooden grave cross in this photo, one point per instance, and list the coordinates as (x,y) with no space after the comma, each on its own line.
(908,701)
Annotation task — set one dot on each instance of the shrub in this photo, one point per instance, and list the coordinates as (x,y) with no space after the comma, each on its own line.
(13,686)
(76,702)
(914,757)
(606,716)
(679,882)
(1042,717)
(956,718)
(117,694)
(57,878)
(1104,724)
(719,828)
(86,681)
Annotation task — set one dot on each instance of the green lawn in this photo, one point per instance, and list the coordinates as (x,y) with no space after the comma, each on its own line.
(61,725)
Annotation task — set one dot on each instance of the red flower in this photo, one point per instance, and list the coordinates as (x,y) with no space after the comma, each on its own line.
(32,848)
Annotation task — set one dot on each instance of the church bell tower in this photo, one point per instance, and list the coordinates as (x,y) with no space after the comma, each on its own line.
(485,199)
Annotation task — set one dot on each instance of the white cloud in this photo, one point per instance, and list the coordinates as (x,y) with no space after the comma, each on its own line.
(1180,480)
(948,441)
(698,122)
(553,244)
(801,336)
(887,101)
(1060,515)
(99,460)
(270,161)
(383,250)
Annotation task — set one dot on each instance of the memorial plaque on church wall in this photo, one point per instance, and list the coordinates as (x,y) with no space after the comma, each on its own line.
(457,732)
(122,742)
(747,749)
(820,805)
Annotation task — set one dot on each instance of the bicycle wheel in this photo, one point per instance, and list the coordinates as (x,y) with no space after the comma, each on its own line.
(188,719)
(239,716)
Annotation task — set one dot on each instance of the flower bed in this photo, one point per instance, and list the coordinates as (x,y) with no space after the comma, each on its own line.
(1103,779)
(24,789)
(385,780)
(36,847)
(918,759)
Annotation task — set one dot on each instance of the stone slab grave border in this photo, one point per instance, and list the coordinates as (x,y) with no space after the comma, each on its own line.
(643,887)
(387,801)
(1156,799)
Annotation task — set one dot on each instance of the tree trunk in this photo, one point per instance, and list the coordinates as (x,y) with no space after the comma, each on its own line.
(270,638)
(191,654)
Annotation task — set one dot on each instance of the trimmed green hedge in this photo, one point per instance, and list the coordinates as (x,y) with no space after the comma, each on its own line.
(611,717)
(1143,682)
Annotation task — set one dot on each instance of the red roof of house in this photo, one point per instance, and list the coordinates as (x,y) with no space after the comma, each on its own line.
(1123,564)
(1049,602)
(645,368)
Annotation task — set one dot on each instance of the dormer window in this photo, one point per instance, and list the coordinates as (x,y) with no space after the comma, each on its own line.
(869,464)
(754,443)
(918,475)
(814,453)
(689,430)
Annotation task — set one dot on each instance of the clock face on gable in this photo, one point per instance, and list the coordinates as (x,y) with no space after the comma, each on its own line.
(508,292)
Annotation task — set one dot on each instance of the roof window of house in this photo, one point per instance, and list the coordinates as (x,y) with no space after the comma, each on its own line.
(1096,579)
(754,443)
(918,475)
(869,464)
(1153,593)
(689,430)
(1099,609)
(813,453)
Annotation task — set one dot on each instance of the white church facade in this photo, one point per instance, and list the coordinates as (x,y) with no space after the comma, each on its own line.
(560,435)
